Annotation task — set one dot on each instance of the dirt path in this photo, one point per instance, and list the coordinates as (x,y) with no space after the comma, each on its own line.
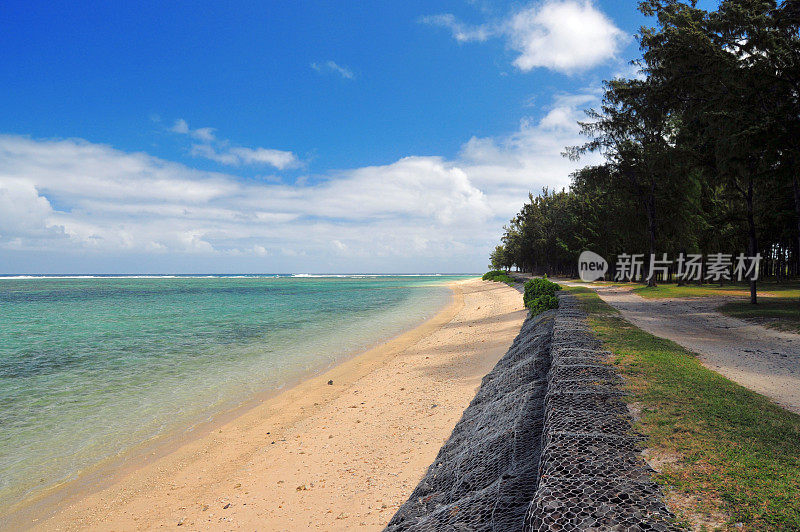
(764,360)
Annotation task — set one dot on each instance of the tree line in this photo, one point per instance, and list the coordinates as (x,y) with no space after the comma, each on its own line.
(701,149)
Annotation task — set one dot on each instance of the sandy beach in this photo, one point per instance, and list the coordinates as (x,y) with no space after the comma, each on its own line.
(321,456)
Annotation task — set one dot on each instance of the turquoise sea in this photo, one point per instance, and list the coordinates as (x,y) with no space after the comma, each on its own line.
(91,367)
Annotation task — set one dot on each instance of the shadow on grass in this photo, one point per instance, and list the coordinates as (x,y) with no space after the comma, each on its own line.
(778,313)
(767,289)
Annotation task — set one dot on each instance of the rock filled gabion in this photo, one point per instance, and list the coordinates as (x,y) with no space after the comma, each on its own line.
(485,475)
(546,444)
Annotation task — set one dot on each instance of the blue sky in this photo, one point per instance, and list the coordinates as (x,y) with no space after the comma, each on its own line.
(288,136)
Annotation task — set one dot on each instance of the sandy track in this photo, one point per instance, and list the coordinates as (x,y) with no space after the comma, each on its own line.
(317,456)
(764,360)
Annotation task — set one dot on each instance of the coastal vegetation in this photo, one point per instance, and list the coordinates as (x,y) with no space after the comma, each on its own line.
(498,276)
(728,457)
(540,295)
(699,146)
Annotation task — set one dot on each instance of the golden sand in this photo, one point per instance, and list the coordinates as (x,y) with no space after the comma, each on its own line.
(319,456)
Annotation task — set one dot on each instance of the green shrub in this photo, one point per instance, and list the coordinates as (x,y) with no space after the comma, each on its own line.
(498,276)
(489,276)
(543,303)
(540,295)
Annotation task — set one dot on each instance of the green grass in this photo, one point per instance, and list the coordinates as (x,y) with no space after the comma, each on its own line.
(734,450)
(765,288)
(778,313)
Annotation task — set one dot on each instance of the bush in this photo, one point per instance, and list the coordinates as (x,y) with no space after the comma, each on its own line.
(498,276)
(489,276)
(543,303)
(540,295)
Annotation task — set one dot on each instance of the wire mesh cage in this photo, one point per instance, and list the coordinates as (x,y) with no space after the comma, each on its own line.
(546,444)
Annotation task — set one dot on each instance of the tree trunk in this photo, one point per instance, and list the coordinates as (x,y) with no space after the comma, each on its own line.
(703,267)
(796,186)
(651,227)
(753,243)
(681,279)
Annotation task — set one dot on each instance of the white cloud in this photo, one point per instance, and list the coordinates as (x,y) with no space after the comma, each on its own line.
(277,158)
(67,195)
(237,156)
(331,66)
(23,212)
(530,158)
(461,32)
(562,35)
(134,202)
(205,134)
(223,152)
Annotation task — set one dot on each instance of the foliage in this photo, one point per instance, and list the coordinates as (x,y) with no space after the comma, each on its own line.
(498,276)
(540,295)
(501,259)
(699,149)
(542,304)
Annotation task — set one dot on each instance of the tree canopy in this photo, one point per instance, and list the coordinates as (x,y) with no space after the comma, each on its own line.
(700,149)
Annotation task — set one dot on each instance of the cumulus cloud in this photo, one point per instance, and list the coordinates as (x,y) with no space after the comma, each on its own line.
(223,152)
(123,201)
(331,66)
(24,213)
(562,35)
(73,194)
(530,158)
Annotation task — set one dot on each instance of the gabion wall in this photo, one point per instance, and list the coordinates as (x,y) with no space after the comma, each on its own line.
(546,444)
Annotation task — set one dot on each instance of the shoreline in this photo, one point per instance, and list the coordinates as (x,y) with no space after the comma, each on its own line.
(28,484)
(110,470)
(110,491)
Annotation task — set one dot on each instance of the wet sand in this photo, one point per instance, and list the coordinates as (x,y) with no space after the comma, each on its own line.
(319,456)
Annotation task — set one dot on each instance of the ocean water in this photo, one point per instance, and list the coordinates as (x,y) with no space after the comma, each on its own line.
(91,367)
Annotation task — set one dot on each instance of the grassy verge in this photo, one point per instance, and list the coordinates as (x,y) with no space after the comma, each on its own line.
(728,452)
(778,313)
(765,288)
